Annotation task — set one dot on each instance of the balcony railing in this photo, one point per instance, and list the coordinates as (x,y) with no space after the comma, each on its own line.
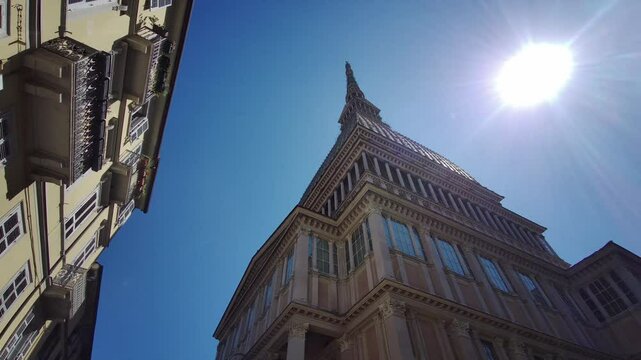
(142,64)
(68,131)
(66,294)
(129,178)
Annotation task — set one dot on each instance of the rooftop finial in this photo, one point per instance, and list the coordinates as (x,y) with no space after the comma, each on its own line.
(352,86)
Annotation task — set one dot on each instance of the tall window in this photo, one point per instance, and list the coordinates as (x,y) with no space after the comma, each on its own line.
(322,256)
(21,340)
(335,258)
(89,248)
(623,287)
(494,274)
(14,288)
(533,288)
(450,257)
(5,117)
(82,212)
(4,18)
(418,244)
(591,305)
(348,264)
(289,266)
(11,228)
(402,237)
(250,319)
(267,300)
(569,303)
(488,350)
(358,247)
(607,296)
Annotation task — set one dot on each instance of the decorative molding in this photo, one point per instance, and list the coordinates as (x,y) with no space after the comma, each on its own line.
(344,343)
(459,328)
(391,307)
(298,330)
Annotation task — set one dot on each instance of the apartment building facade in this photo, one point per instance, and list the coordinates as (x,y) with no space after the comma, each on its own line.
(85,87)
(395,252)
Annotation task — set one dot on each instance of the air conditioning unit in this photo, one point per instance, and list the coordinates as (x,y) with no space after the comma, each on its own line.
(66,294)
(120,8)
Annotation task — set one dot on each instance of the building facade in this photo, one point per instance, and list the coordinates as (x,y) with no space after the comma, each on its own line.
(85,87)
(394,252)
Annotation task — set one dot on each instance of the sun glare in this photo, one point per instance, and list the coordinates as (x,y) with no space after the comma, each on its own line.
(535,75)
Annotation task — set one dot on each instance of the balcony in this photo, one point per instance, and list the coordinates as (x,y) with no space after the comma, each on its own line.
(67,85)
(142,63)
(128,178)
(65,296)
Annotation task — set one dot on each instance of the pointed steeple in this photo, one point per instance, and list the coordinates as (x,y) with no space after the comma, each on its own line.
(355,101)
(353,91)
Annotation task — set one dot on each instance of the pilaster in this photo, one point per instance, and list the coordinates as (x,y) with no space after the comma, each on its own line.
(296,341)
(301,274)
(381,252)
(459,332)
(396,330)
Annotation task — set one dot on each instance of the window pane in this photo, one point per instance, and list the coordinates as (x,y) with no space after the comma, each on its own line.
(418,244)
(388,236)
(488,350)
(402,237)
(533,289)
(358,247)
(607,296)
(592,305)
(450,258)
(623,287)
(322,256)
(493,274)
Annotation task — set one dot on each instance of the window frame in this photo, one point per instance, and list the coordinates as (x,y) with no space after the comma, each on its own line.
(498,271)
(488,350)
(456,256)
(322,262)
(532,279)
(87,250)
(83,218)
(4,308)
(157,6)
(607,296)
(17,210)
(288,268)
(359,251)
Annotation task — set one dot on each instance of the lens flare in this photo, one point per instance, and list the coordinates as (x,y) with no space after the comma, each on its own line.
(535,75)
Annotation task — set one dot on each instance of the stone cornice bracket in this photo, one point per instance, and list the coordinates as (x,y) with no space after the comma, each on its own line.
(516,347)
(467,249)
(344,343)
(298,330)
(373,208)
(391,307)
(459,328)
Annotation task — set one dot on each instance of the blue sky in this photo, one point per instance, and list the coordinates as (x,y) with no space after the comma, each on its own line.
(255,111)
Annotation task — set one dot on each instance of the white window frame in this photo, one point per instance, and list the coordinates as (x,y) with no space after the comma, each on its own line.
(156,4)
(125,212)
(75,215)
(86,251)
(88,4)
(3,307)
(4,19)
(130,157)
(3,239)
(139,129)
(18,345)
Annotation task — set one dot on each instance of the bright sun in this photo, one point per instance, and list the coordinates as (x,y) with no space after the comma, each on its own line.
(534,75)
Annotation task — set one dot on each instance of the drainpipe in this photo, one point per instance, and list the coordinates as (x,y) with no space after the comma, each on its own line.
(41,197)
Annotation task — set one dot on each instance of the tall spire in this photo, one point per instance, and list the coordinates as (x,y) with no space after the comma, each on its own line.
(355,101)
(353,91)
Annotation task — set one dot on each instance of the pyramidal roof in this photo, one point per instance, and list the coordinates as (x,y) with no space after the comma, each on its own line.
(360,111)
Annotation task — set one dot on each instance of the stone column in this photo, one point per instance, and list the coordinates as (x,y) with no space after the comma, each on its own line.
(296,341)
(346,348)
(381,252)
(301,276)
(459,332)
(396,331)
(516,350)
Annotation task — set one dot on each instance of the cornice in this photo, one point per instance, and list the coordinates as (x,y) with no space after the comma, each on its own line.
(392,298)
